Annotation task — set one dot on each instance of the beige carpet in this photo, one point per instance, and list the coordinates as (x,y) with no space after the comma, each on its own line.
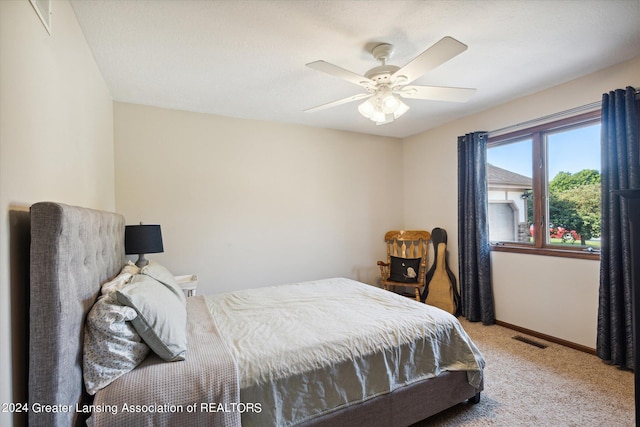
(529,386)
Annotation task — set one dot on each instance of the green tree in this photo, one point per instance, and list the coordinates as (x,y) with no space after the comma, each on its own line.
(574,202)
(563,213)
(586,200)
(566,180)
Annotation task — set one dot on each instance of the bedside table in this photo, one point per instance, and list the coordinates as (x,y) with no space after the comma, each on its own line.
(188,283)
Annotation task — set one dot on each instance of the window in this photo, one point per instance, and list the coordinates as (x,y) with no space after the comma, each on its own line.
(544,188)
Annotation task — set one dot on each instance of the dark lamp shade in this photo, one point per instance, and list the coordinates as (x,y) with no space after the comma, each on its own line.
(142,239)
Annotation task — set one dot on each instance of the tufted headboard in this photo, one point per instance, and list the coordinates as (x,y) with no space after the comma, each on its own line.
(73,251)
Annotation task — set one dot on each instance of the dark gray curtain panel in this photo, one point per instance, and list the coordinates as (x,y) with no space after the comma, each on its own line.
(474,257)
(620,171)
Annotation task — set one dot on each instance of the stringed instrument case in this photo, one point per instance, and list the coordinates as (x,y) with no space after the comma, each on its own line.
(441,288)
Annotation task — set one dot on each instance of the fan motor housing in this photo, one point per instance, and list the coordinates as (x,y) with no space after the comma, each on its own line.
(381,73)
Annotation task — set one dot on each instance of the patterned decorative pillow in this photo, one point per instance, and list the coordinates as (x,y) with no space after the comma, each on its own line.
(112,347)
(404,269)
(130,268)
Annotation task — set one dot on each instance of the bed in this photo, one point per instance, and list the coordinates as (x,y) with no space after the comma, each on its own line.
(237,370)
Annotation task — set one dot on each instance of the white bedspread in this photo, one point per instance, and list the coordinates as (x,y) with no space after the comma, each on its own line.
(292,342)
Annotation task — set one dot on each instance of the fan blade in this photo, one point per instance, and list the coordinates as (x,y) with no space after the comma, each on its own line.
(341,73)
(437,93)
(438,54)
(338,102)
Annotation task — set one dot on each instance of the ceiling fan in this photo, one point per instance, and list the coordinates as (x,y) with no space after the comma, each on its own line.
(384,84)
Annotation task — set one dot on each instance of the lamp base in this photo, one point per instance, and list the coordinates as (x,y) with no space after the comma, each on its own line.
(142,261)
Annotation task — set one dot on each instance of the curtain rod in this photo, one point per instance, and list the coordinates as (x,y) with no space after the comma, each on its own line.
(560,114)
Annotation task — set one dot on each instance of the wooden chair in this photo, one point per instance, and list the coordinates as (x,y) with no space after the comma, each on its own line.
(409,245)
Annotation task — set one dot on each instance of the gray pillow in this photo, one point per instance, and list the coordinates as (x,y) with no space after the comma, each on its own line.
(164,276)
(161,317)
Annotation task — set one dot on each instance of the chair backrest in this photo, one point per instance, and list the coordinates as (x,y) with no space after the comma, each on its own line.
(409,244)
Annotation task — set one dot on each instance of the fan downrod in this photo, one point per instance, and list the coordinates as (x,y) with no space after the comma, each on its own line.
(382,52)
(382,73)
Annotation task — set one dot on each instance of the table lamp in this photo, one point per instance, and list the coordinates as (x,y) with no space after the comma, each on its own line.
(142,239)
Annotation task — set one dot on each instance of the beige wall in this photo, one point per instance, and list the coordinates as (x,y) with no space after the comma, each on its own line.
(555,296)
(244,203)
(56,143)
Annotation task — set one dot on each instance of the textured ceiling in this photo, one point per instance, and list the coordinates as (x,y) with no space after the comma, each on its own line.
(247,58)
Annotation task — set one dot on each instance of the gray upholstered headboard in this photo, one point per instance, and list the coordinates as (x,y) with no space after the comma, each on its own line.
(73,251)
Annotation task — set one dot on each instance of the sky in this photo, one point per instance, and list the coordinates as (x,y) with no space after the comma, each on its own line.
(569,151)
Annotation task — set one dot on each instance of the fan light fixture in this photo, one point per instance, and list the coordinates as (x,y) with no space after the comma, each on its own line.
(385,84)
(383,107)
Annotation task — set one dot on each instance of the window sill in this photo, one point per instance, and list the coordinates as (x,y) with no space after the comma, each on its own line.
(566,253)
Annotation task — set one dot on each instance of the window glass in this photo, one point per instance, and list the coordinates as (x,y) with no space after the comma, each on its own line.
(544,188)
(509,182)
(573,185)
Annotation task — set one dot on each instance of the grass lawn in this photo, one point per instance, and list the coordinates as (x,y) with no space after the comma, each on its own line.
(595,243)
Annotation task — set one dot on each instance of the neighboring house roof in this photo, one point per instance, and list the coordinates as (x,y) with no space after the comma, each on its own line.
(497,177)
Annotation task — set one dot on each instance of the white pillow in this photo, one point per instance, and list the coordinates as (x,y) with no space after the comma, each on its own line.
(112,347)
(161,317)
